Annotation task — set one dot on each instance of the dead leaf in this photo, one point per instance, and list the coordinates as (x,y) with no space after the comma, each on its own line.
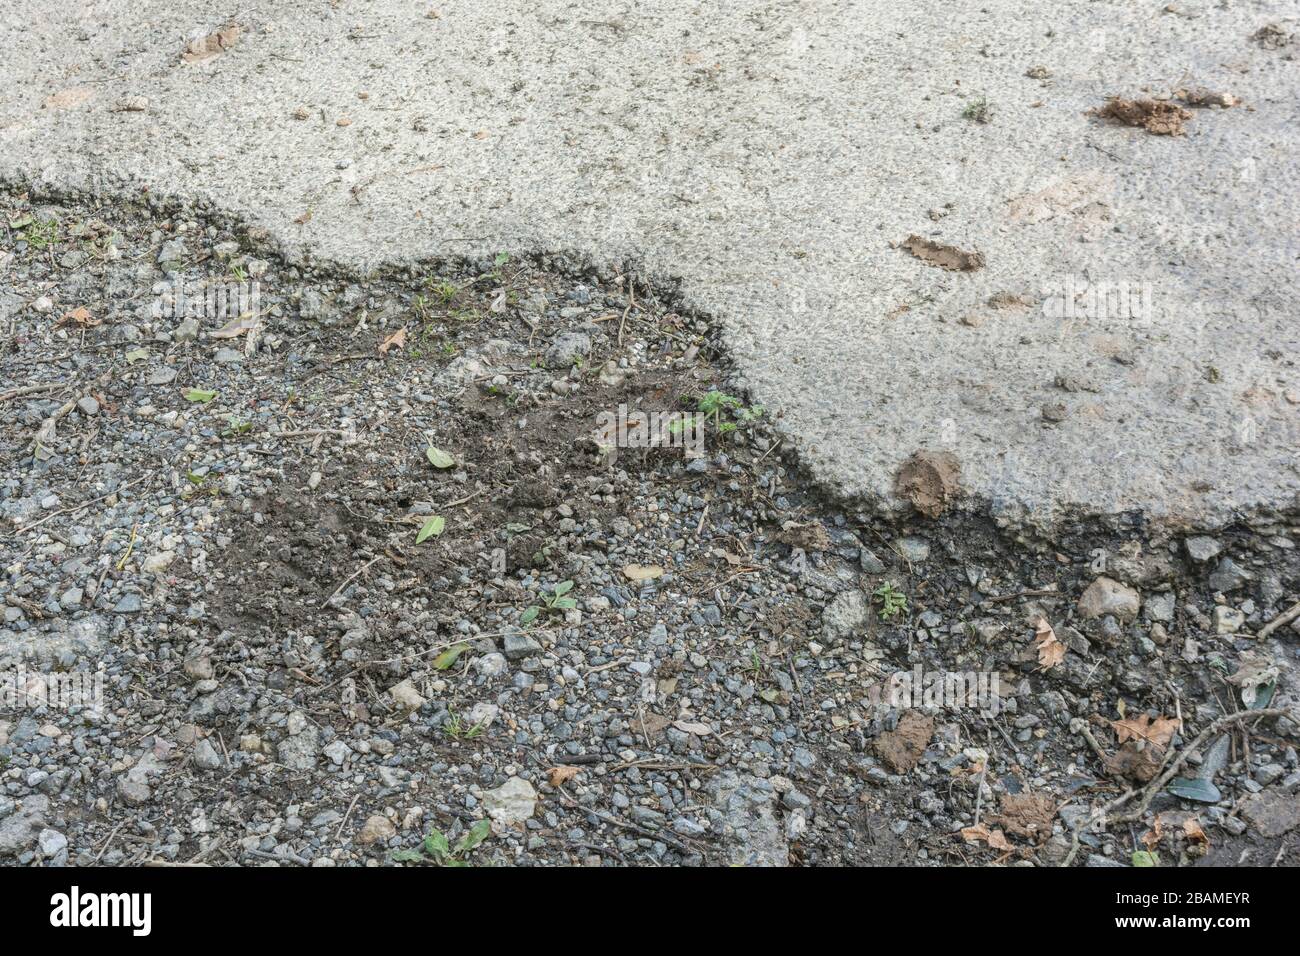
(395,341)
(980,833)
(80,316)
(642,572)
(558,776)
(1158,732)
(236,327)
(1050,650)
(687,727)
(214,44)
(945,257)
(1195,832)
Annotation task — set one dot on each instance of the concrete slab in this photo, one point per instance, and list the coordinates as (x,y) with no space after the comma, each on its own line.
(771,155)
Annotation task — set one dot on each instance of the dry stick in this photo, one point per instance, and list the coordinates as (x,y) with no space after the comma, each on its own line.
(46,432)
(344,822)
(1151,789)
(1282,619)
(350,578)
(394,660)
(84,504)
(30,390)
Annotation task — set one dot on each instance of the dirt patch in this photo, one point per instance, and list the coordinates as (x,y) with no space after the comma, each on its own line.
(930,480)
(901,749)
(944,256)
(1158,117)
(1027,815)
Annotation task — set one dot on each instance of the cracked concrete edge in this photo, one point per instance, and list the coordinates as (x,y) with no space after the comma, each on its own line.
(819,471)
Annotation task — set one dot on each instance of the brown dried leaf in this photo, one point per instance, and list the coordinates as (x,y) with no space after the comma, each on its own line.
(558,776)
(1050,650)
(980,833)
(80,316)
(1194,832)
(395,341)
(1159,731)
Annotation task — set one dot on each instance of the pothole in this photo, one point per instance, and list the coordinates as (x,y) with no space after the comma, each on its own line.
(501,540)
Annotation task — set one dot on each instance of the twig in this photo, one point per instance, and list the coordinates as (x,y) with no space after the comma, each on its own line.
(29,390)
(84,504)
(1156,785)
(350,578)
(344,822)
(1282,619)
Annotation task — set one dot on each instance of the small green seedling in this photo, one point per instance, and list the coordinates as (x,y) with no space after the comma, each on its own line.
(893,602)
(980,110)
(713,403)
(40,233)
(440,851)
(556,601)
(455,728)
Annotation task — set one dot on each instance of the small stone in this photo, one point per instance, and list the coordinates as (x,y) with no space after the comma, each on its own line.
(128,604)
(1201,548)
(1106,596)
(512,802)
(199,667)
(377,829)
(88,405)
(206,756)
(51,843)
(519,646)
(1227,620)
(405,695)
(1228,576)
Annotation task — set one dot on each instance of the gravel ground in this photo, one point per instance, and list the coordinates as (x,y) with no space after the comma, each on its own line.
(359,569)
